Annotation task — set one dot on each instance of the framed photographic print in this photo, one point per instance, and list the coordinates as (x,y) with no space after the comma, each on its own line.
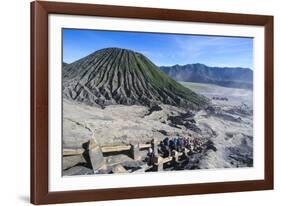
(131,102)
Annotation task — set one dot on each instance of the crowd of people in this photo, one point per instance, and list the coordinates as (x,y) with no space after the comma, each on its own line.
(179,144)
(172,146)
(220,98)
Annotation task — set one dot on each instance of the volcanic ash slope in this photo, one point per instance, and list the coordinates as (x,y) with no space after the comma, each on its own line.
(120,76)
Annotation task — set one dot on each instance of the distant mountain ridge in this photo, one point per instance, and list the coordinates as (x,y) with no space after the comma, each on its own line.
(235,77)
(121,76)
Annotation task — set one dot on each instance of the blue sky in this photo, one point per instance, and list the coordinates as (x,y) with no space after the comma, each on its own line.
(162,49)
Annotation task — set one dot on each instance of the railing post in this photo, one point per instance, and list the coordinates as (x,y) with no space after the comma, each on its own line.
(96,156)
(154,147)
(158,163)
(135,151)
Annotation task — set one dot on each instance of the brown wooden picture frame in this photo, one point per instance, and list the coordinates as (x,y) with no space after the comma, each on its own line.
(39,102)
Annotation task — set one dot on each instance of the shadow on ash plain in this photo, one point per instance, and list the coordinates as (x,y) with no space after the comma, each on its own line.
(225,131)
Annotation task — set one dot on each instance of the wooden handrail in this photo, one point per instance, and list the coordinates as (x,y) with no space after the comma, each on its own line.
(104,149)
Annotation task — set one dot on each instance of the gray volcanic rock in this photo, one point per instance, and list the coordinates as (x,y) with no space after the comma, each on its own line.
(120,76)
(234,77)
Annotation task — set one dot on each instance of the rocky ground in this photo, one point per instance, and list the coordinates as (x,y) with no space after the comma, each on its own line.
(232,122)
(227,125)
